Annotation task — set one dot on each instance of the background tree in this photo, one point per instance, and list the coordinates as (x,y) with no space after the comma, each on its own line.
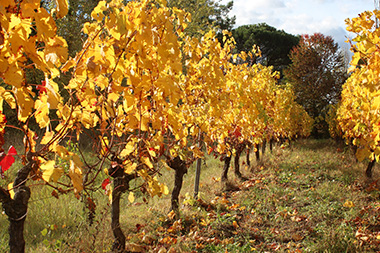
(317,73)
(70,26)
(205,15)
(274,44)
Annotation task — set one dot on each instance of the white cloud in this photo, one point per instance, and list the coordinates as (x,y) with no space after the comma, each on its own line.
(297,24)
(257,4)
(301,16)
(325,1)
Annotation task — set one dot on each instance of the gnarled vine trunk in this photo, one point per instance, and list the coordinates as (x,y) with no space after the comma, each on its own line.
(17,208)
(238,174)
(248,160)
(119,188)
(226,166)
(263,147)
(257,152)
(271,145)
(354,149)
(120,185)
(180,169)
(369,170)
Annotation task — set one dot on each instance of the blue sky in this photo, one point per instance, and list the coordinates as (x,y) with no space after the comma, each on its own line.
(302,16)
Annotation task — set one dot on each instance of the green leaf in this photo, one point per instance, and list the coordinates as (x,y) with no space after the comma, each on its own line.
(46,242)
(44,232)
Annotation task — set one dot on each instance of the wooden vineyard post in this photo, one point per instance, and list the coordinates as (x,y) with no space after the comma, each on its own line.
(198,171)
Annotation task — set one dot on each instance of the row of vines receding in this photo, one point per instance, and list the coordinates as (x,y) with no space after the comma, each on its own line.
(142,93)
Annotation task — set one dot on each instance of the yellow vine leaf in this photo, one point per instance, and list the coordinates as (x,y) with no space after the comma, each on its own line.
(62,8)
(11,191)
(25,103)
(349,204)
(376,102)
(68,65)
(45,24)
(363,153)
(89,28)
(171,215)
(164,189)
(31,138)
(75,174)
(42,111)
(14,76)
(197,152)
(97,13)
(47,137)
(152,153)
(76,159)
(155,187)
(8,97)
(20,30)
(110,194)
(56,52)
(7,3)
(129,167)
(62,152)
(89,119)
(146,161)
(131,197)
(53,97)
(51,173)
(27,8)
(104,146)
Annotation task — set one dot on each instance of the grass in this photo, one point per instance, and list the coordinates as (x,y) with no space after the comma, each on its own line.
(310,197)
